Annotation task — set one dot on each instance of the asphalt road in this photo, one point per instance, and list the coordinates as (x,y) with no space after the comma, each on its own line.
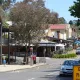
(46,72)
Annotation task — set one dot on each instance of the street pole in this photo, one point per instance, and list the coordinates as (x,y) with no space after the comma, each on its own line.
(1,41)
(8,49)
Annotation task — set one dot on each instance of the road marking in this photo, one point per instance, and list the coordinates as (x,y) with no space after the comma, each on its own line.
(54,73)
(31,79)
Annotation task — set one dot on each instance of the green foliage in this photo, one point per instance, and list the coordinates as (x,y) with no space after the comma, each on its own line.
(30,20)
(61,20)
(5,4)
(5,25)
(78,22)
(6,35)
(4,18)
(71,22)
(75,9)
(72,55)
(1,1)
(69,49)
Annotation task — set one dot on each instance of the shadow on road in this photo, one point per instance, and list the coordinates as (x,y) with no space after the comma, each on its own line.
(54,75)
(52,70)
(57,77)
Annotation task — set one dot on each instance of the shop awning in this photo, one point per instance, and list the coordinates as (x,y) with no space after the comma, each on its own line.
(77,42)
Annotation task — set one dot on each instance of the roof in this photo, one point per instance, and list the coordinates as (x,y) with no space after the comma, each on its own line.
(58,26)
(46,43)
(60,45)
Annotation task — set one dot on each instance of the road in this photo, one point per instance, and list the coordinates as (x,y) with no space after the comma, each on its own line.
(46,72)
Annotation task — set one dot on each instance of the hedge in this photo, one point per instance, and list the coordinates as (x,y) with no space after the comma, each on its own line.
(72,55)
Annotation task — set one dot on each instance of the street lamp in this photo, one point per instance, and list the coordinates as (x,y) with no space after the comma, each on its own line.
(1,40)
(10,24)
(8,48)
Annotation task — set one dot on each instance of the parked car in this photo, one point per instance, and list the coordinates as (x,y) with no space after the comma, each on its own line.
(78,50)
(67,67)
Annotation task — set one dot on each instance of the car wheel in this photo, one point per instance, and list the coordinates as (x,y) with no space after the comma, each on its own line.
(60,74)
(76,53)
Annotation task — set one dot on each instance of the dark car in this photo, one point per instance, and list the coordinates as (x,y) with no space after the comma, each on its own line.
(78,50)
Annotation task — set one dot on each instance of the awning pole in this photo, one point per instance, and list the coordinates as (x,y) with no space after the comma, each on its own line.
(55,48)
(1,41)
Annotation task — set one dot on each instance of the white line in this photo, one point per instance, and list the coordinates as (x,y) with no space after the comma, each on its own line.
(54,73)
(31,79)
(50,73)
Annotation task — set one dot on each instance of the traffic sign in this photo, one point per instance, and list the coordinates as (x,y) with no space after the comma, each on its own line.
(76,72)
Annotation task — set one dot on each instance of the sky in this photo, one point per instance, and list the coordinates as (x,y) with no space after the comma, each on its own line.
(61,7)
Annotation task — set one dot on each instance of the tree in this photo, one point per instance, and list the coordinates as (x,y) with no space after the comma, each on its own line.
(75,9)
(31,17)
(4,17)
(71,22)
(27,17)
(61,20)
(29,20)
(5,4)
(52,18)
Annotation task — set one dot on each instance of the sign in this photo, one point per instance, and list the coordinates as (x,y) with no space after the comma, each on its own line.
(76,72)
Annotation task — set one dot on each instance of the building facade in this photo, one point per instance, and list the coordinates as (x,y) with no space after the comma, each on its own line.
(60,31)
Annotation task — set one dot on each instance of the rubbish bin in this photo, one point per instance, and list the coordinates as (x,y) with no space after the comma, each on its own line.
(4,61)
(34,59)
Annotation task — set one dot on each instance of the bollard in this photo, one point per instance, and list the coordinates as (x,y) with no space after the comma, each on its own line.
(31,60)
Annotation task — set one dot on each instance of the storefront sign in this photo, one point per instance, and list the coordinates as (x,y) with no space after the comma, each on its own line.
(76,72)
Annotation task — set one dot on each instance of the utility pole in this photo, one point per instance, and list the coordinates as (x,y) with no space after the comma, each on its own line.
(1,41)
(8,48)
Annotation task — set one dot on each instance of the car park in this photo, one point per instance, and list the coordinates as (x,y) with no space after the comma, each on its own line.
(78,50)
(67,67)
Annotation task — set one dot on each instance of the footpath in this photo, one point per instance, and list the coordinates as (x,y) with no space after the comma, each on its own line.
(5,68)
(14,67)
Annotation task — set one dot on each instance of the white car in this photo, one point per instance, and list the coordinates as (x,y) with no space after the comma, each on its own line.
(67,67)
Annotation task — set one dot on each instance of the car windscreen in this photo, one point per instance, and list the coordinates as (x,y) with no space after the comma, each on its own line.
(71,62)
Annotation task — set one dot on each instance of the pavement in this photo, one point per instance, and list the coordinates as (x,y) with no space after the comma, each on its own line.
(72,51)
(19,66)
(5,68)
(13,67)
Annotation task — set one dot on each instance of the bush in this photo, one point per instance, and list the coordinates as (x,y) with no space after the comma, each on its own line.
(64,55)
